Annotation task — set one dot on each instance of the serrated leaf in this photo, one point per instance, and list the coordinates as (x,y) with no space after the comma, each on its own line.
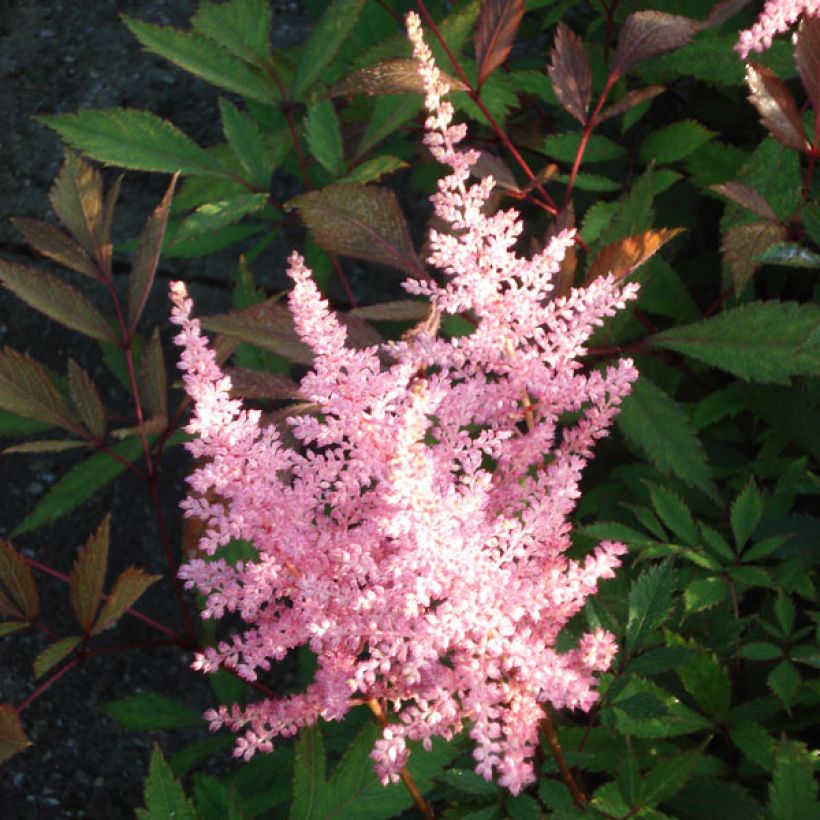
(132,139)
(668,778)
(650,598)
(56,299)
(215,217)
(776,106)
(405,310)
(674,142)
(570,73)
(655,423)
(86,400)
(564,148)
(52,243)
(152,379)
(9,627)
(79,484)
(742,246)
(495,32)
(258,384)
(784,681)
(398,75)
(660,660)
(746,512)
(629,776)
(747,197)
(388,114)
(146,257)
(785,613)
(184,760)
(247,143)
(54,653)
(309,786)
(18,580)
(641,706)
(202,58)
(149,711)
(760,651)
(678,720)
(793,790)
(790,255)
(12,735)
(324,42)
(807,58)
(44,446)
(647,34)
(626,255)
(716,543)
(765,342)
(88,576)
(362,221)
(129,586)
(324,136)
(631,99)
(164,797)
(754,741)
(243,27)
(674,513)
(708,683)
(374,169)
(704,593)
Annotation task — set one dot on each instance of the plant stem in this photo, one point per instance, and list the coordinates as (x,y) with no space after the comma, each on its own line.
(406,778)
(578,794)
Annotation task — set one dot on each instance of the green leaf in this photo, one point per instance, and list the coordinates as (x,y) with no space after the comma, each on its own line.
(247,143)
(388,114)
(522,807)
(660,660)
(374,169)
(202,58)
(746,513)
(467,781)
(714,541)
(86,400)
(79,484)
(57,300)
(785,613)
(760,651)
(704,593)
(564,147)
(324,136)
(659,427)
(13,425)
(650,598)
(148,712)
(784,681)
(324,43)
(88,576)
(755,742)
(717,405)
(793,790)
(184,760)
(674,142)
(133,139)
(724,799)
(789,255)
(708,683)
(10,627)
(243,27)
(54,653)
(674,513)
(590,182)
(811,221)
(641,706)
(164,797)
(767,342)
(668,778)
(12,735)
(309,785)
(678,719)
(212,217)
(629,776)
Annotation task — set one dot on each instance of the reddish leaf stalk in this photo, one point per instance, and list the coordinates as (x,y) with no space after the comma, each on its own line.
(578,795)
(48,683)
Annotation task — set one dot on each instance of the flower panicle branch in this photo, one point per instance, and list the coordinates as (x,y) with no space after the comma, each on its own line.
(415,537)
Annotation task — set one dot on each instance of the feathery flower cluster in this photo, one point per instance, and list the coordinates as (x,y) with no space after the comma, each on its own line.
(777,17)
(415,538)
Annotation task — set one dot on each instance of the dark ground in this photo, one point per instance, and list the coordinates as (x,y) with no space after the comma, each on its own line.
(59,57)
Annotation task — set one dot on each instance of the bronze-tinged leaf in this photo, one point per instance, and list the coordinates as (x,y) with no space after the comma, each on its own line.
(565,278)
(10,627)
(8,609)
(152,378)
(128,588)
(149,427)
(723,11)
(12,736)
(248,383)
(109,205)
(45,446)
(362,221)
(624,256)
(743,243)
(88,576)
(146,257)
(54,653)
(86,400)
(268,325)
(51,242)
(404,310)
(776,106)
(490,165)
(57,300)
(630,100)
(77,198)
(18,580)
(394,76)
(746,197)
(570,73)
(807,57)
(495,32)
(27,390)
(647,34)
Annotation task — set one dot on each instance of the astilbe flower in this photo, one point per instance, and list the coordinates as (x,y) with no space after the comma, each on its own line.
(777,17)
(415,538)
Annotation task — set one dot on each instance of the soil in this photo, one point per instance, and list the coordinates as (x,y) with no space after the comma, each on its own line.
(60,57)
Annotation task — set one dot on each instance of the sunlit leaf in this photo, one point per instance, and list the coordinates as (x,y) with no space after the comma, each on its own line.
(243,27)
(76,197)
(570,73)
(324,136)
(17,579)
(647,34)
(128,588)
(790,255)
(12,735)
(54,653)
(495,32)
(45,446)
(626,255)
(213,217)
(398,75)
(86,400)
(51,242)
(88,576)
(247,143)
(776,106)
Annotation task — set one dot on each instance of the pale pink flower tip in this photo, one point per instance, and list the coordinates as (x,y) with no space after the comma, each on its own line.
(777,17)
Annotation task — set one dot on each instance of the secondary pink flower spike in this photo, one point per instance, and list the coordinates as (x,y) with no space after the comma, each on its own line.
(777,17)
(415,539)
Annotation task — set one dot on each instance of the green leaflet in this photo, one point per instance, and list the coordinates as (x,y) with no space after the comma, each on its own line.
(324,136)
(243,27)
(766,342)
(164,797)
(247,143)
(674,142)
(793,790)
(148,711)
(213,216)
(650,599)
